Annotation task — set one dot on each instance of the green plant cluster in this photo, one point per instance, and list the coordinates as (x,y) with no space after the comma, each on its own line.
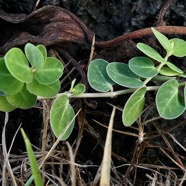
(24,76)
(29,75)
(139,72)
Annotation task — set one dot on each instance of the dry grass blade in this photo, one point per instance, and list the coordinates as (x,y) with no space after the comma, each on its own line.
(6,155)
(174,139)
(106,163)
(52,178)
(176,159)
(72,165)
(92,49)
(37,3)
(183,179)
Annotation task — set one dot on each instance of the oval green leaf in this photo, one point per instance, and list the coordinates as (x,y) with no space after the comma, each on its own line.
(51,71)
(18,66)
(44,90)
(23,99)
(78,89)
(143,67)
(163,40)
(174,67)
(134,107)
(34,56)
(8,83)
(183,75)
(166,71)
(150,52)
(61,117)
(179,47)
(5,106)
(98,77)
(121,74)
(169,102)
(42,50)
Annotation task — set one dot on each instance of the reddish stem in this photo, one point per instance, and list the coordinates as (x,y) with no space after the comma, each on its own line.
(141,33)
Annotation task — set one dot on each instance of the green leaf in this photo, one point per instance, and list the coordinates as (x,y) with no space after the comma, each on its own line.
(42,50)
(34,56)
(183,75)
(174,67)
(5,106)
(163,40)
(179,47)
(134,107)
(18,66)
(51,71)
(72,85)
(161,78)
(61,117)
(33,162)
(8,83)
(122,75)
(169,102)
(22,99)
(97,76)
(150,52)
(78,89)
(166,71)
(143,67)
(44,90)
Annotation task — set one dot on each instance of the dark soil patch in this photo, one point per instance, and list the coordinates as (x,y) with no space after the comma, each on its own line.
(133,163)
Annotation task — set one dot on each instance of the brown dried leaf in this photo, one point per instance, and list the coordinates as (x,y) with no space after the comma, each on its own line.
(48,25)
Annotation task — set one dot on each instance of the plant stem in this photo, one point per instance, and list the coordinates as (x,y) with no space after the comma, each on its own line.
(158,69)
(182,84)
(110,94)
(138,34)
(102,94)
(160,66)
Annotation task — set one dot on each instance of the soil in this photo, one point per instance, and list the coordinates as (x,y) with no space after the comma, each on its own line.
(160,158)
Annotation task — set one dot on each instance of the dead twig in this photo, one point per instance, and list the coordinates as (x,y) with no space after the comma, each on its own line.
(165,7)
